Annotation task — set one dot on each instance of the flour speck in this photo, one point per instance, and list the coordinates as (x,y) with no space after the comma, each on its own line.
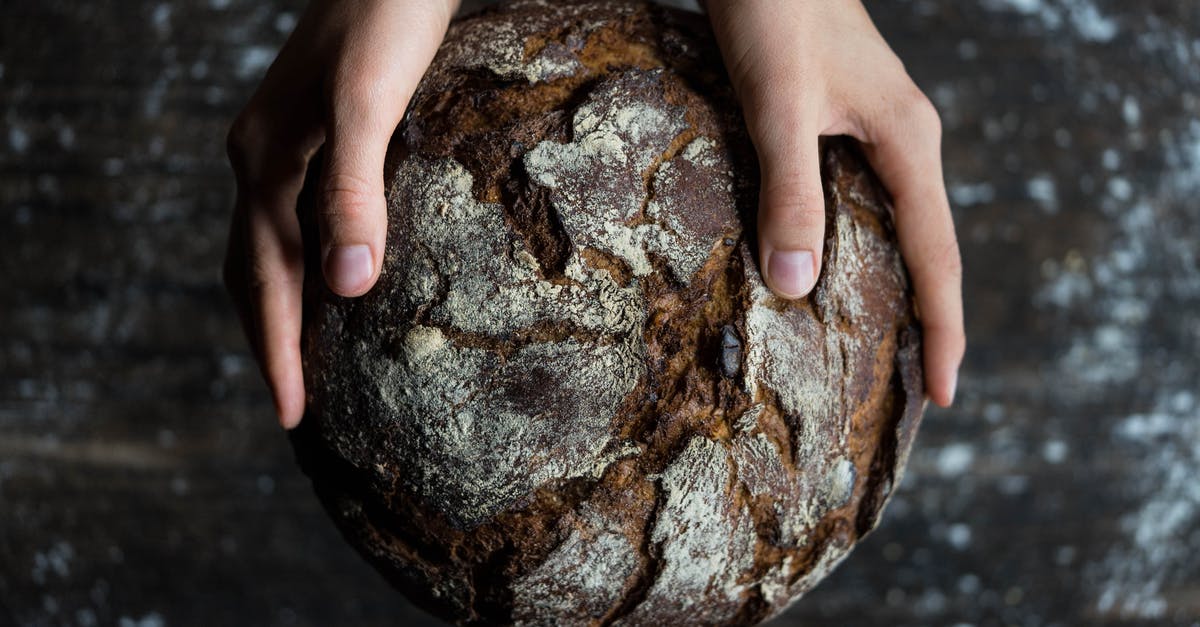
(955,459)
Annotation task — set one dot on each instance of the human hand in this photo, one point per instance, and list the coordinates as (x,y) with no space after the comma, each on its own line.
(805,68)
(343,79)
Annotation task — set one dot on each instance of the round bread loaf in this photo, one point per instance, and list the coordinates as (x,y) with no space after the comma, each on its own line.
(570,399)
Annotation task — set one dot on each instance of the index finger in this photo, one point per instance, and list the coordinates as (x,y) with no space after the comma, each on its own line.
(268,267)
(906,153)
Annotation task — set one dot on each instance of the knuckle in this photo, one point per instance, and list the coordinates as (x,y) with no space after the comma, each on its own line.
(262,152)
(347,198)
(271,265)
(948,259)
(954,342)
(953,336)
(794,204)
(920,113)
(265,277)
(949,337)
(244,134)
(959,342)
(907,117)
(943,262)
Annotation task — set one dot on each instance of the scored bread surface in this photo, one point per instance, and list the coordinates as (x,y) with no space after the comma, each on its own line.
(570,399)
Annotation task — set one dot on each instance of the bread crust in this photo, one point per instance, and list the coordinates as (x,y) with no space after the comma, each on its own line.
(570,399)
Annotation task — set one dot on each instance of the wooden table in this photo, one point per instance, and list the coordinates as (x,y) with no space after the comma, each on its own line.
(142,481)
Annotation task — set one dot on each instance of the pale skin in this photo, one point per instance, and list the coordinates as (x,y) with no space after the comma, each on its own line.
(801,69)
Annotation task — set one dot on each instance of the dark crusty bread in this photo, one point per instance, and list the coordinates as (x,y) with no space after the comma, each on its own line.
(570,399)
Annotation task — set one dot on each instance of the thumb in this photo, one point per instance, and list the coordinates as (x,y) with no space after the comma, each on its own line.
(368,95)
(784,120)
(791,213)
(353,210)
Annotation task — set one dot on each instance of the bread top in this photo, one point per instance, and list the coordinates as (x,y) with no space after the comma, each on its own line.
(570,344)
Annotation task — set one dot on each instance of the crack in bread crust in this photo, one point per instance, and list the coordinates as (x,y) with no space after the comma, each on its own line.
(571,399)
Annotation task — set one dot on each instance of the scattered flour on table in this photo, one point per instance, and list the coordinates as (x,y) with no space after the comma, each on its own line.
(153,619)
(1081,16)
(1162,539)
(55,560)
(1149,266)
(253,61)
(955,459)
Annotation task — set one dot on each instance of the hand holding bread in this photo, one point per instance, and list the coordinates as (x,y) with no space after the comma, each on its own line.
(342,80)
(802,69)
(808,68)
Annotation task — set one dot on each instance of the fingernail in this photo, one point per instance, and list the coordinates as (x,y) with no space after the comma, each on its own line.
(791,272)
(953,388)
(348,268)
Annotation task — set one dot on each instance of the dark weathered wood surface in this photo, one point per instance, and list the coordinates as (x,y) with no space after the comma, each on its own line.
(143,482)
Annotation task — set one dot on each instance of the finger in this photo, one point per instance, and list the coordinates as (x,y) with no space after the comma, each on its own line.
(276,266)
(776,93)
(234,277)
(904,147)
(368,95)
(791,213)
(270,172)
